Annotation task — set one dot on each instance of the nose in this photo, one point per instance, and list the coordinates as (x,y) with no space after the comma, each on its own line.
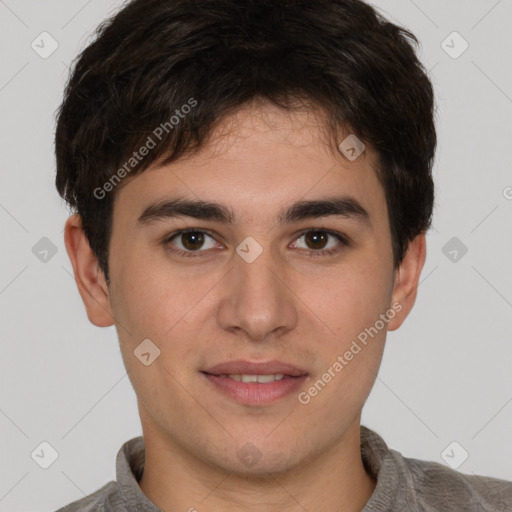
(258,301)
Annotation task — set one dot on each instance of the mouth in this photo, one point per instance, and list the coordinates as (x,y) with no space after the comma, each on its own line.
(255,383)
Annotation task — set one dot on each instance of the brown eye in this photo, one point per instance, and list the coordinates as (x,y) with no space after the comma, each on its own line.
(317,242)
(316,239)
(192,240)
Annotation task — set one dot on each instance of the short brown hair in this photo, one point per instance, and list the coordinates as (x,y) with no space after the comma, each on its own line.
(153,56)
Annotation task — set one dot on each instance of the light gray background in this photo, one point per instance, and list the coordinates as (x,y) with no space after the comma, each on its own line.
(446,374)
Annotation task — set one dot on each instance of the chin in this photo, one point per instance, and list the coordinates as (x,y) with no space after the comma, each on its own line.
(252,462)
(267,468)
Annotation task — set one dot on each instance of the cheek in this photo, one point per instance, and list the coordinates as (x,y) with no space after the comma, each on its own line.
(160,304)
(349,298)
(146,295)
(351,351)
(146,305)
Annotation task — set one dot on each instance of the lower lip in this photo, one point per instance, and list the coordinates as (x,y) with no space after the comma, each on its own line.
(256,393)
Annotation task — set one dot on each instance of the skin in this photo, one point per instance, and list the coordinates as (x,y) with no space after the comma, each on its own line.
(285,305)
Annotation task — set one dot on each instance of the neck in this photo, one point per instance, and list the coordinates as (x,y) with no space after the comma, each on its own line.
(333,481)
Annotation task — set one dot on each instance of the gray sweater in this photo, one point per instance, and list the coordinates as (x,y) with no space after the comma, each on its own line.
(403,484)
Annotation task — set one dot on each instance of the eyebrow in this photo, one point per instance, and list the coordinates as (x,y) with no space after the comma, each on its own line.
(341,206)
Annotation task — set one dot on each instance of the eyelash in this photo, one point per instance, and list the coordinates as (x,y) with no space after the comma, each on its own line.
(315,253)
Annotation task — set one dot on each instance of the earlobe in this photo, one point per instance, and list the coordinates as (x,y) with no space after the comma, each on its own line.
(88,275)
(407,279)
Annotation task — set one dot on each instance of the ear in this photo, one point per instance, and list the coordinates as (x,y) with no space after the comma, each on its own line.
(88,275)
(406,280)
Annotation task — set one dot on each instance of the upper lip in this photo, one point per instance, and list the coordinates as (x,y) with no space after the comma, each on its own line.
(241,367)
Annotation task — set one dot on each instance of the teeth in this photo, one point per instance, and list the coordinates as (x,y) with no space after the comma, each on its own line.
(257,378)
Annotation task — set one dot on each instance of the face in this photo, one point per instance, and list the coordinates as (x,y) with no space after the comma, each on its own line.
(299,290)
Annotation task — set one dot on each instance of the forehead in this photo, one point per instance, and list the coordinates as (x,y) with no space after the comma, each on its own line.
(257,161)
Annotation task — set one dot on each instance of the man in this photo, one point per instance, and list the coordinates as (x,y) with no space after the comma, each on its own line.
(251,182)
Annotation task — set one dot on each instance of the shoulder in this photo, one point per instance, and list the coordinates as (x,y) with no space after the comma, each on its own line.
(434,486)
(105,499)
